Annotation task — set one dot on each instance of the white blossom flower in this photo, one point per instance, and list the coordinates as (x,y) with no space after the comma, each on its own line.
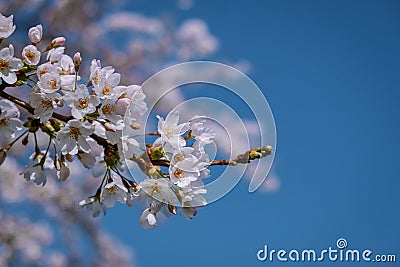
(114,136)
(159,189)
(46,68)
(113,191)
(44,105)
(9,119)
(35,34)
(67,65)
(49,83)
(35,170)
(6,26)
(31,55)
(68,82)
(133,97)
(200,132)
(128,146)
(73,136)
(9,64)
(108,111)
(89,159)
(171,132)
(148,219)
(107,88)
(80,102)
(184,167)
(99,76)
(55,54)
(93,204)
(193,197)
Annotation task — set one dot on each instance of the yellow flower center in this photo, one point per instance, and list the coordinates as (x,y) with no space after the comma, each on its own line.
(107,89)
(96,79)
(52,84)
(156,189)
(30,55)
(43,71)
(169,132)
(107,109)
(47,103)
(4,64)
(179,173)
(83,102)
(74,132)
(112,190)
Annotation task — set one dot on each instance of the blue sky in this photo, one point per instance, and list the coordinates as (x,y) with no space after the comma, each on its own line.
(330,71)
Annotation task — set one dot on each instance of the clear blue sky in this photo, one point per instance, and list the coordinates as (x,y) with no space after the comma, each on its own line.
(331,73)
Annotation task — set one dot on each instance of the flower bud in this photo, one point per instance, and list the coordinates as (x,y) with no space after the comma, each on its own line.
(48,128)
(32,124)
(35,34)
(25,140)
(77,61)
(254,154)
(266,150)
(57,125)
(57,42)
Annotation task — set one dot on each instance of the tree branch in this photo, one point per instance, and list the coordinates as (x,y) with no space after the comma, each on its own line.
(145,163)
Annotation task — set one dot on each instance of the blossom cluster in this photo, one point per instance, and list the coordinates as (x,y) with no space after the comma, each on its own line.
(96,121)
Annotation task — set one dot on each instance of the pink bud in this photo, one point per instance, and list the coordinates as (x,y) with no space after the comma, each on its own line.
(77,60)
(57,42)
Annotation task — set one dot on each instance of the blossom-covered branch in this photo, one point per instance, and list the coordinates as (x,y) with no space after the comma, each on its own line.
(97,121)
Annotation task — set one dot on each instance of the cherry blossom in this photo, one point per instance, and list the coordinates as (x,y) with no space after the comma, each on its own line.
(44,105)
(73,137)
(7,26)
(9,119)
(31,54)
(80,102)
(9,64)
